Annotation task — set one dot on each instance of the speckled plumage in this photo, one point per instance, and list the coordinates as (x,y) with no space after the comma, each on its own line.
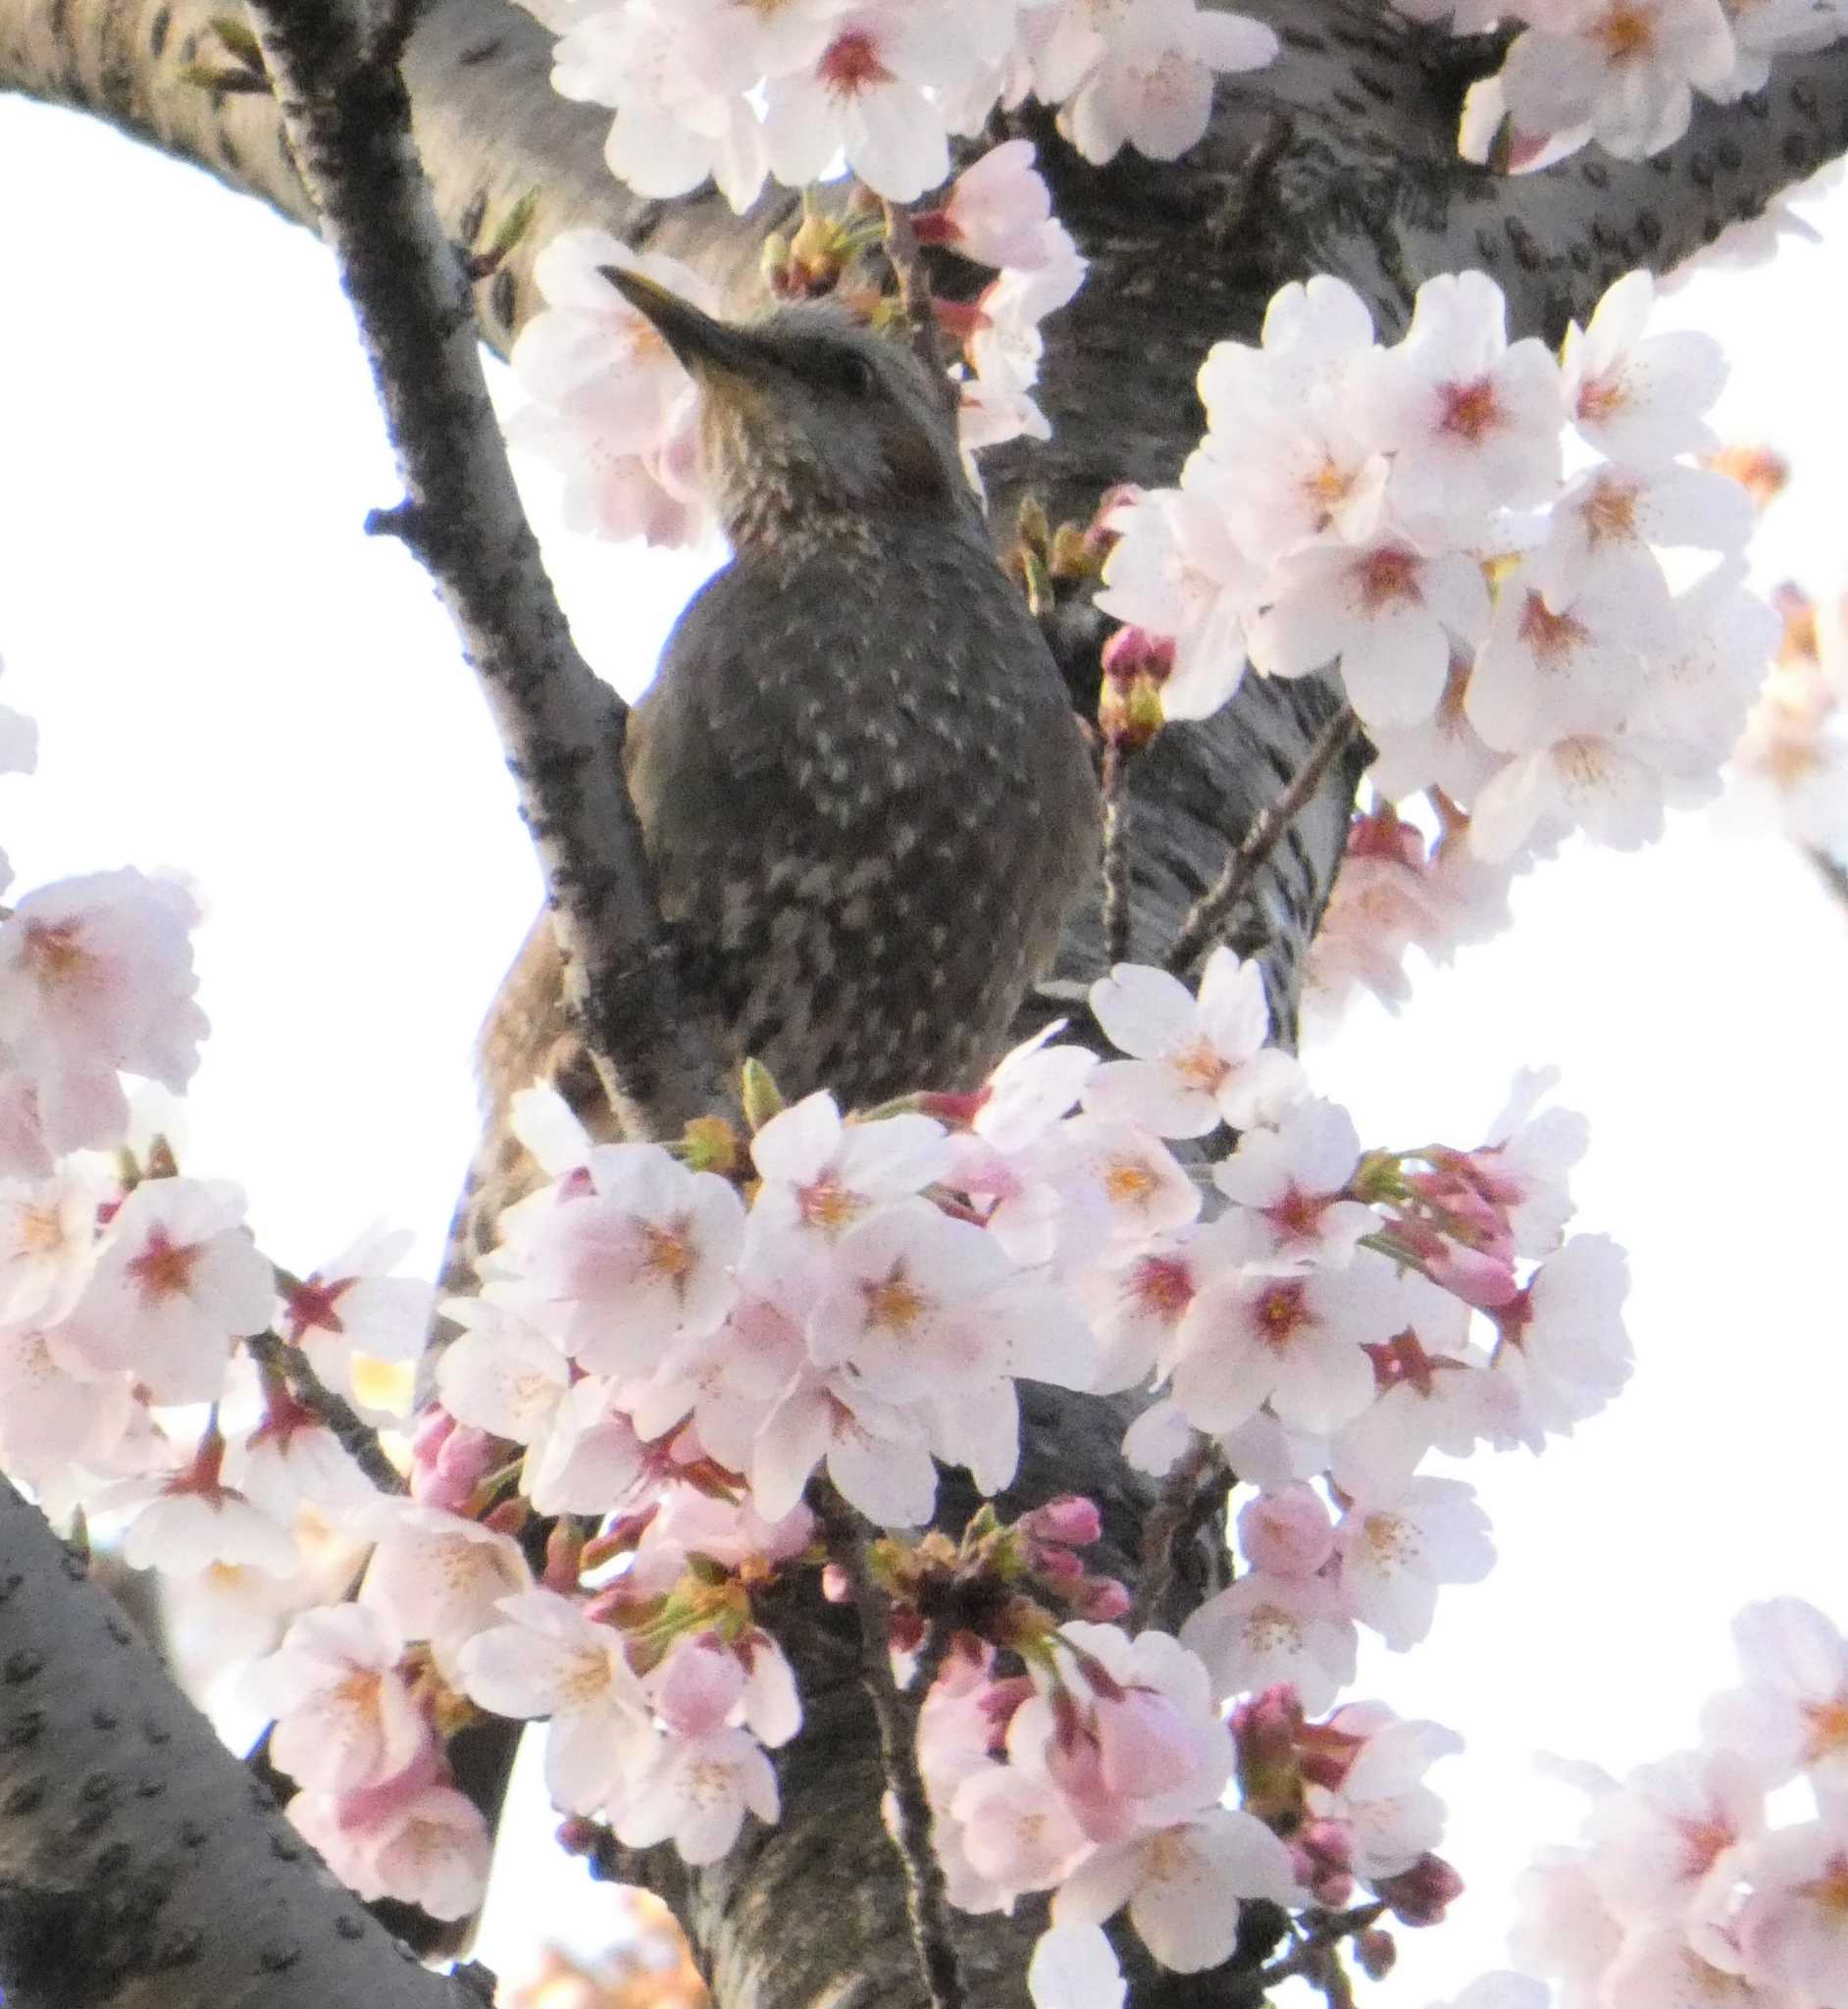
(866,799)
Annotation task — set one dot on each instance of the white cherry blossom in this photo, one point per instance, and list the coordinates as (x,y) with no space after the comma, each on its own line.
(1197,1060)
(343,1716)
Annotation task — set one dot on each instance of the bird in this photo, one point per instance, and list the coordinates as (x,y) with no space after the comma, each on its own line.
(865,796)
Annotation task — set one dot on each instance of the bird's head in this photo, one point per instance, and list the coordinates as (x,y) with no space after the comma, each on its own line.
(811,421)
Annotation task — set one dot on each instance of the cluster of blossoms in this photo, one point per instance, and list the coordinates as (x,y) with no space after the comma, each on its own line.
(613,408)
(743,89)
(1620,73)
(1683,1891)
(1467,529)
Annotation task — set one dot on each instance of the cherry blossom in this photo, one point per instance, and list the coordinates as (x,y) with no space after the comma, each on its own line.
(1183,1885)
(411,1838)
(1793,1928)
(1665,1845)
(1563,1339)
(1376,1792)
(1197,1060)
(47,1238)
(1792,1713)
(640,1260)
(343,1716)
(1074,1967)
(696,1792)
(1625,69)
(1635,397)
(1471,421)
(351,1305)
(96,976)
(551,1659)
(996,210)
(612,406)
(1152,87)
(439,1577)
(1291,1182)
(1385,612)
(1290,1336)
(193,1521)
(177,1279)
(821,1177)
(866,95)
(1268,1629)
(56,1411)
(1398,1547)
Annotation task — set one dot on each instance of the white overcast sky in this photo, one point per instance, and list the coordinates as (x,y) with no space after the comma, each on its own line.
(233,681)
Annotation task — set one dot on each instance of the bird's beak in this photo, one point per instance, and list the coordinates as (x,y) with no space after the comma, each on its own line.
(701,342)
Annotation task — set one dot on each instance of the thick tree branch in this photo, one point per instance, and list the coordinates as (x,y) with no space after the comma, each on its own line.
(140,1866)
(347,120)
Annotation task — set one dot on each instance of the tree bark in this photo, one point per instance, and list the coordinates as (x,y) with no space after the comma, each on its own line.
(1339,158)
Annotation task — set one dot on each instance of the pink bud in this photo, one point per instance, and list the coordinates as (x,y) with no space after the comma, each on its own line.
(1070,1518)
(1104,1600)
(448,1460)
(1375,1951)
(1421,1895)
(1287,1533)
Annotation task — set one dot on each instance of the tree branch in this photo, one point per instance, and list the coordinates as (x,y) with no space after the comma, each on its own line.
(355,1435)
(348,120)
(139,1866)
(926,1905)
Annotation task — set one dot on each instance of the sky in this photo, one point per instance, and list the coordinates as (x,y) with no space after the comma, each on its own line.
(233,681)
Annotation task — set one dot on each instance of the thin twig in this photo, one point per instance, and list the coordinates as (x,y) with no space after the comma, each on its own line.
(356,1436)
(348,120)
(1322,1940)
(1116,875)
(927,1906)
(1241,868)
(1832,873)
(1173,1515)
(907,259)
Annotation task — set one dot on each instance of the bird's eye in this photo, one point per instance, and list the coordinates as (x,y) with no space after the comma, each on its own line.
(855,374)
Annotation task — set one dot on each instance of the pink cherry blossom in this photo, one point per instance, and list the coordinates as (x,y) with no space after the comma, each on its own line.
(1183,1885)
(1177,569)
(57,1411)
(343,1716)
(1564,1340)
(1545,671)
(411,1838)
(1289,1337)
(1792,1713)
(820,1176)
(1291,1182)
(96,975)
(47,1238)
(696,1792)
(1388,1816)
(1625,68)
(1793,1928)
(1074,1967)
(1398,1547)
(1635,397)
(1665,1845)
(177,1279)
(550,1660)
(439,1577)
(351,1305)
(996,210)
(1471,421)
(1562,1929)
(877,1455)
(1268,1629)
(613,408)
(1385,611)
(1286,1532)
(866,95)
(639,1262)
